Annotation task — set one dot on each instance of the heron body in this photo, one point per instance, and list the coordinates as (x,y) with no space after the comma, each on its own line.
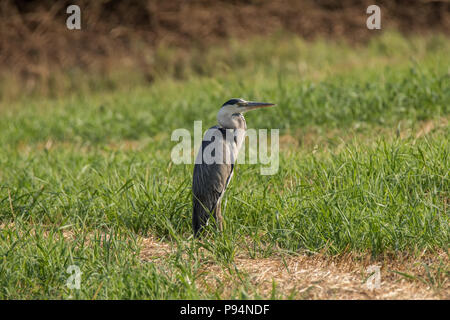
(214,165)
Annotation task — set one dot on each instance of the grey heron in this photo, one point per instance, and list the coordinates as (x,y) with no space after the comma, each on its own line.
(212,176)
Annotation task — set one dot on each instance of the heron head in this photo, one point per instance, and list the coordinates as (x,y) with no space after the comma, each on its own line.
(239,105)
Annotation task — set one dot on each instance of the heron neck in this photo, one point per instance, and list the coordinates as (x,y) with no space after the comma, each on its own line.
(231,121)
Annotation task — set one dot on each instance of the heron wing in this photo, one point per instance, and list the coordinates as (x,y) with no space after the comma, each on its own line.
(211,180)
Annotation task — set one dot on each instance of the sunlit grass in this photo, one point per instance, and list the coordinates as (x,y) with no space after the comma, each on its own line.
(85,175)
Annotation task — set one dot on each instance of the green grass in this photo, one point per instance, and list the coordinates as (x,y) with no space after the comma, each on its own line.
(96,165)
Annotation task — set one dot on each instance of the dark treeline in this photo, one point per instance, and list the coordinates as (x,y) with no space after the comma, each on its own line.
(34,39)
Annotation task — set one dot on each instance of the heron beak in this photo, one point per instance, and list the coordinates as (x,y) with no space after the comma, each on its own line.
(256,105)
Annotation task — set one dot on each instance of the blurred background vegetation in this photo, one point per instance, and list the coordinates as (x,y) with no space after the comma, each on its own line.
(128,43)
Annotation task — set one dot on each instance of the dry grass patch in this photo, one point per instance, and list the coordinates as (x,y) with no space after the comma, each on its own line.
(318,276)
(151,249)
(321,277)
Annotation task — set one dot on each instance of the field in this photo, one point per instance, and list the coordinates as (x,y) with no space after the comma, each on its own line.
(86,177)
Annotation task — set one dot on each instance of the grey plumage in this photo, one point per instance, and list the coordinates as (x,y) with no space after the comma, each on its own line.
(208,187)
(211,179)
